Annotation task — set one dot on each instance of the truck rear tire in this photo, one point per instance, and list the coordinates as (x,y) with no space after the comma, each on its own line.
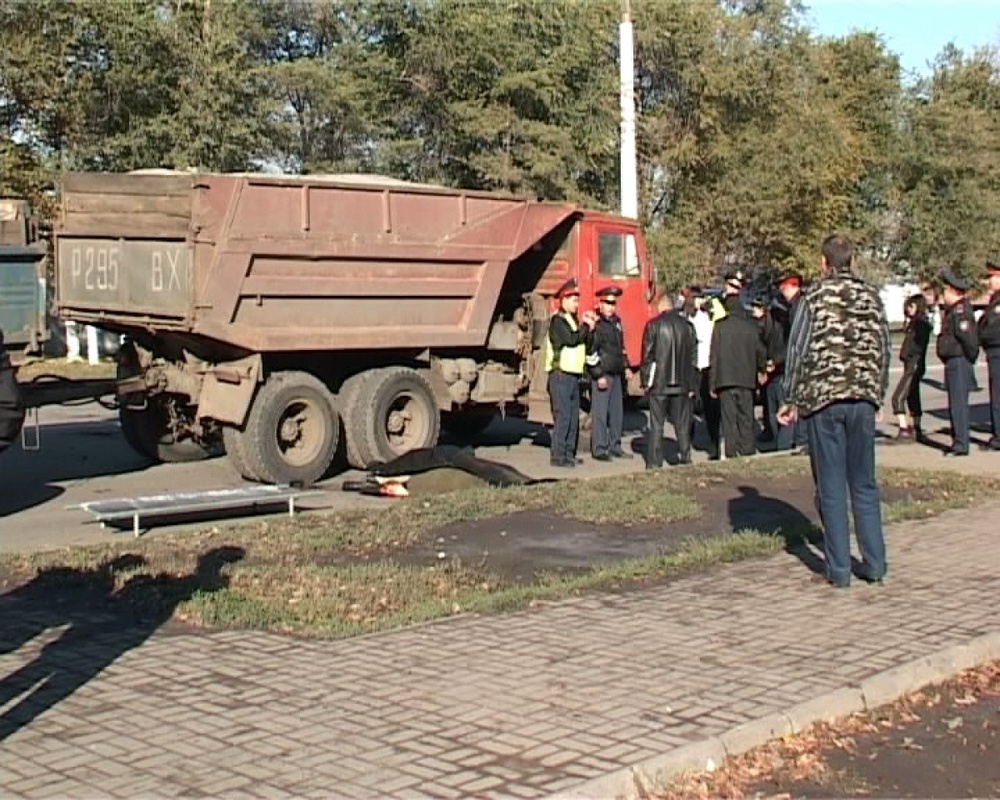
(388,412)
(234,441)
(292,430)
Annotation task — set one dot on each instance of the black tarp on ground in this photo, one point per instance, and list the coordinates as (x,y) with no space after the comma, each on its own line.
(444,468)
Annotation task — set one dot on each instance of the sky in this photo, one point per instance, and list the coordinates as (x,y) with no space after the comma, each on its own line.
(916,30)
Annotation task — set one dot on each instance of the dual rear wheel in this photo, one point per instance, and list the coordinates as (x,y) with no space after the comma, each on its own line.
(295,425)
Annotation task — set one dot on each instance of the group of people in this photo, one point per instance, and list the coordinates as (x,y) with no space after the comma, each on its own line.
(959,343)
(820,361)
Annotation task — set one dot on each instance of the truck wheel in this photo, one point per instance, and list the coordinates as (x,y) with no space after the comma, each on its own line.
(292,430)
(234,441)
(391,412)
(466,425)
(148,431)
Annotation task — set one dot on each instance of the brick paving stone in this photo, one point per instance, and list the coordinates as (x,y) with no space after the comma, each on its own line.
(513,706)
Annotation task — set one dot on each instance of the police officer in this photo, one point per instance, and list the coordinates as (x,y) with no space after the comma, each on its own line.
(989,338)
(957,347)
(607,363)
(565,362)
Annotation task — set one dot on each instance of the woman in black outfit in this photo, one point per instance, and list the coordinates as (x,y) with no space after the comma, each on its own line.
(913,354)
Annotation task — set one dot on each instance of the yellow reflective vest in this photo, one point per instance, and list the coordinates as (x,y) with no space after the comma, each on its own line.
(571,359)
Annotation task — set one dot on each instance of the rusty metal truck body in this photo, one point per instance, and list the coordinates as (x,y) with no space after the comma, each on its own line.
(284,317)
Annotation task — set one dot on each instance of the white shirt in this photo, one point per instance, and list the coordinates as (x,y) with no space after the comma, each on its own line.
(703,331)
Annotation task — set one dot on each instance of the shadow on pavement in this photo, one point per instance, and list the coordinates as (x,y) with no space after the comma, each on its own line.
(102,624)
(69,451)
(774,517)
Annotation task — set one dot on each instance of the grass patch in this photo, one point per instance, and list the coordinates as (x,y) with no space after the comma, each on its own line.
(342,574)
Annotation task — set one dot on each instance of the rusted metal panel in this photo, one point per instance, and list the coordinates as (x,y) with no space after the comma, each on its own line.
(124,274)
(294,262)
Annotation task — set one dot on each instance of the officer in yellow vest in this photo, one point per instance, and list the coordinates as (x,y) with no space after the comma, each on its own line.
(566,362)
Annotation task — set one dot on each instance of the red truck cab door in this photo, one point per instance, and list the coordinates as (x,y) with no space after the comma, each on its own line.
(612,253)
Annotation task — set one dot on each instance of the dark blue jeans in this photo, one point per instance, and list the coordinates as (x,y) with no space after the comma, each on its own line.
(842,453)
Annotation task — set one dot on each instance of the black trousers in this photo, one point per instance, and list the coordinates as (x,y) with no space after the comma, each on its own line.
(906,397)
(607,411)
(736,405)
(993,362)
(676,407)
(710,408)
(564,393)
(956,379)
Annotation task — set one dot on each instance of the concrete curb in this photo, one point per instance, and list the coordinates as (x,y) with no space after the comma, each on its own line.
(884,687)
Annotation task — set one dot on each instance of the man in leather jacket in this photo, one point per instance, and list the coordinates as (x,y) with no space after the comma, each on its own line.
(669,375)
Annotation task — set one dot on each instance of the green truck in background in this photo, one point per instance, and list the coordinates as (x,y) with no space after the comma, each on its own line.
(24,318)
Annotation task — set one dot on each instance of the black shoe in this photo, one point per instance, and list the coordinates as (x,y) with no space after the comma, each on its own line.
(601,457)
(561,462)
(620,454)
(951,451)
(992,444)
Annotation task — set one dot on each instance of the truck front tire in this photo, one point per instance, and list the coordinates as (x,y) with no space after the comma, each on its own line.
(292,431)
(388,412)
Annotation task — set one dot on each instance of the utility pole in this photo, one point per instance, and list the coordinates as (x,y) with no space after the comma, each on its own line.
(629,176)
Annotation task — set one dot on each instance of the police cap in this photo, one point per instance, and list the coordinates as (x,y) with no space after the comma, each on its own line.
(734,278)
(993,265)
(609,293)
(568,289)
(791,279)
(951,279)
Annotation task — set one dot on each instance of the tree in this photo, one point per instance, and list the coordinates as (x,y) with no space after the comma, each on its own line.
(949,168)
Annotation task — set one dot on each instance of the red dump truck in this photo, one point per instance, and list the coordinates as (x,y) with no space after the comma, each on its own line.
(284,318)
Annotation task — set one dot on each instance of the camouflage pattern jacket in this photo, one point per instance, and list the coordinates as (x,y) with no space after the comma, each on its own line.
(838,347)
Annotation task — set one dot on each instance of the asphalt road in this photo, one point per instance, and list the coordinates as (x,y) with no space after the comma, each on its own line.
(83,457)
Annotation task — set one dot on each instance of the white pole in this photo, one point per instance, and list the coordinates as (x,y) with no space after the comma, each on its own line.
(72,342)
(93,354)
(629,178)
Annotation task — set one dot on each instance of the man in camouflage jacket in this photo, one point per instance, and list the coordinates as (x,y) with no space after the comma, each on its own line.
(836,377)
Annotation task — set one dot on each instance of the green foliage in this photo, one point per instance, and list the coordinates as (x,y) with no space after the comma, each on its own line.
(755,138)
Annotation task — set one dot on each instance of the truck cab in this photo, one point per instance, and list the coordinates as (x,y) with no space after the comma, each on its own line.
(23,280)
(607,250)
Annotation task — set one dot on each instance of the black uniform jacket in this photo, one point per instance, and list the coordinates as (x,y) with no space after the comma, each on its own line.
(773,336)
(989,325)
(958,335)
(607,348)
(738,353)
(669,355)
(918,337)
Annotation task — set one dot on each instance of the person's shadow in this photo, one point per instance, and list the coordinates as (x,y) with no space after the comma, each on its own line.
(103,624)
(773,517)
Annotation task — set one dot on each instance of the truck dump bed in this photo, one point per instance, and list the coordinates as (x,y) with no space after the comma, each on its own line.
(269,263)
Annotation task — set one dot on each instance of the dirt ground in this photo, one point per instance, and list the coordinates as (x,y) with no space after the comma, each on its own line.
(939,742)
(520,546)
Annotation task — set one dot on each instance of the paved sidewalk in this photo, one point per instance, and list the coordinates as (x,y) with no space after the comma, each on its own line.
(518,706)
